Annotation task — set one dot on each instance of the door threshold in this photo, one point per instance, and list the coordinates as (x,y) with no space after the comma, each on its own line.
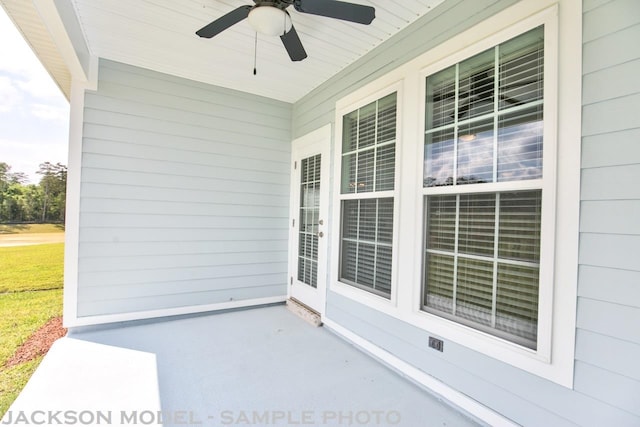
(305,312)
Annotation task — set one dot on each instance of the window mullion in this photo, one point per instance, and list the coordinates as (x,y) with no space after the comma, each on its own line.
(375,244)
(355,272)
(455,255)
(375,149)
(496,105)
(455,127)
(357,154)
(496,236)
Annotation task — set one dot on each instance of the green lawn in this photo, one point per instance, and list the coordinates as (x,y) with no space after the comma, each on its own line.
(31,280)
(30,268)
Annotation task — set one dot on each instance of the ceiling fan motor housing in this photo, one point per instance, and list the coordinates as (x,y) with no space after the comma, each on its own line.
(269,20)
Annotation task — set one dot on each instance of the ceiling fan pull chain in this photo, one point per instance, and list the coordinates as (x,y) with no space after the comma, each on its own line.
(255,55)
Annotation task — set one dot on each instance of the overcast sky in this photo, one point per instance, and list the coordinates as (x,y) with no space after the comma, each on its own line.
(34,114)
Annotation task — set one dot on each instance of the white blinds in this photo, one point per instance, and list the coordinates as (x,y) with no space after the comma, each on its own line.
(308,220)
(489,275)
(368,167)
(484,124)
(368,148)
(367,232)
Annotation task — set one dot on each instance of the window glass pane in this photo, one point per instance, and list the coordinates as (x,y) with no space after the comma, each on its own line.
(438,158)
(441,222)
(496,290)
(474,290)
(366,252)
(476,87)
(365,171)
(385,220)
(365,273)
(475,152)
(520,219)
(368,161)
(385,167)
(520,145)
(517,301)
(350,132)
(350,219)
(367,126)
(349,173)
(441,98)
(349,260)
(477,224)
(439,278)
(383,269)
(521,69)
(367,220)
(387,118)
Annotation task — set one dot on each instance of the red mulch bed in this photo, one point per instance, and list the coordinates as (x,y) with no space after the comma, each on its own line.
(38,343)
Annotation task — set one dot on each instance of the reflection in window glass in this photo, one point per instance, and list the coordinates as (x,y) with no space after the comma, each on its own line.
(475,152)
(520,145)
(438,158)
(494,138)
(484,125)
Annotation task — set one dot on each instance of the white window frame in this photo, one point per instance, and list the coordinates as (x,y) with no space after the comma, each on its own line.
(345,106)
(547,184)
(554,357)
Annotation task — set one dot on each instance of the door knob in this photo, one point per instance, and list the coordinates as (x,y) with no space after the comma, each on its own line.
(320,234)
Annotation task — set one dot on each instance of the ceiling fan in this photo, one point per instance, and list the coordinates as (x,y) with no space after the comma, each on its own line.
(270,17)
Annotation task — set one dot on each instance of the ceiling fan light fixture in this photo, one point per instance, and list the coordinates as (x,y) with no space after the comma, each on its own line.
(269,20)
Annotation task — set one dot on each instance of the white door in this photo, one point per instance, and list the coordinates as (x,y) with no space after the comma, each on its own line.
(309,211)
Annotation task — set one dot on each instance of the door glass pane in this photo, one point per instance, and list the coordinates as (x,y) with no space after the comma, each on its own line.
(308,217)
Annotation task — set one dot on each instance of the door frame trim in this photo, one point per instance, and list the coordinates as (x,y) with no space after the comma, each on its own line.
(315,142)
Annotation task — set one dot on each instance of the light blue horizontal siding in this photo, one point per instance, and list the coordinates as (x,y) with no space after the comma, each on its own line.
(608,337)
(184,196)
(609,353)
(611,216)
(611,149)
(609,270)
(614,48)
(186,247)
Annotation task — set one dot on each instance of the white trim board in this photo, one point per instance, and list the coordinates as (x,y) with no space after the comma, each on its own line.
(178,311)
(440,389)
(72,216)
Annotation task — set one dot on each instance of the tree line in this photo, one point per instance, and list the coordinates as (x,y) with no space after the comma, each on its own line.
(24,202)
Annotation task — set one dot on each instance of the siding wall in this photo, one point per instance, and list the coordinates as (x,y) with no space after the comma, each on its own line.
(608,336)
(184,197)
(607,377)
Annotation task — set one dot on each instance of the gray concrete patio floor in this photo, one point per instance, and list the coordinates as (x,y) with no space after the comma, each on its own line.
(259,367)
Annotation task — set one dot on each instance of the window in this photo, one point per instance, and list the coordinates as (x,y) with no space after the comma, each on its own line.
(483,190)
(367,199)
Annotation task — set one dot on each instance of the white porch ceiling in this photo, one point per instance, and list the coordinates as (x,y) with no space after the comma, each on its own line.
(160,35)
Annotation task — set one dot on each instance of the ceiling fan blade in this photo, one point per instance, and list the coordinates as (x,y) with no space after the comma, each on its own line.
(224,22)
(337,9)
(294,47)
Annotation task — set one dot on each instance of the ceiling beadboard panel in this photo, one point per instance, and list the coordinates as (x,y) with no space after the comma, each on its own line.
(26,18)
(160,35)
